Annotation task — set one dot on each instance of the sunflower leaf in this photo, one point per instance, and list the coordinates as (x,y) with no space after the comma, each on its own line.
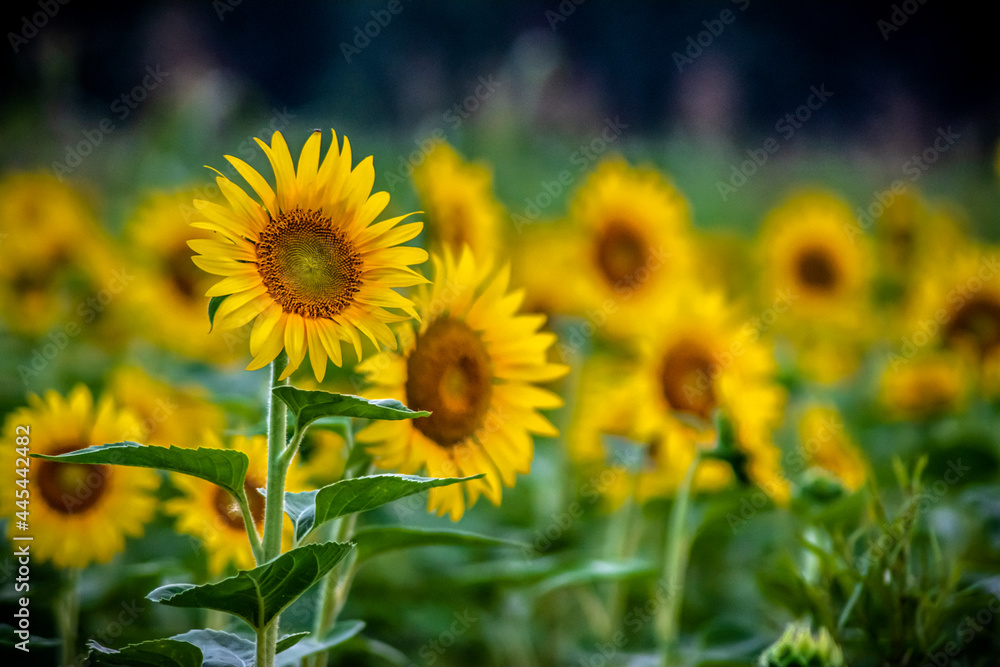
(311,509)
(340,633)
(596,570)
(221,649)
(213,306)
(260,594)
(376,540)
(308,406)
(225,467)
(152,653)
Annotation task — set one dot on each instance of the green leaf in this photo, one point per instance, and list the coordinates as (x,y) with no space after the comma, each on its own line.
(288,641)
(221,649)
(310,509)
(308,406)
(376,540)
(596,570)
(340,633)
(225,467)
(9,637)
(213,306)
(153,653)
(260,594)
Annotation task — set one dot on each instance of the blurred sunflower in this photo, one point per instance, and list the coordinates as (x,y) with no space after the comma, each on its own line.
(53,254)
(542,255)
(307,262)
(472,363)
(80,514)
(635,242)
(928,385)
(815,261)
(826,445)
(696,357)
(324,456)
(212,515)
(166,415)
(158,234)
(459,202)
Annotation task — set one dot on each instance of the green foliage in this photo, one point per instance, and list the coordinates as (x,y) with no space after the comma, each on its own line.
(375,540)
(308,406)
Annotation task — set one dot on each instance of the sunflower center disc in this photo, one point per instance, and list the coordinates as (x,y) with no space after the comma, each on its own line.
(817,270)
(229,509)
(307,266)
(448,373)
(71,488)
(686,377)
(978,322)
(620,253)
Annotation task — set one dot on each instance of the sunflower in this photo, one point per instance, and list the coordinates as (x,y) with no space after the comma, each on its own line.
(53,254)
(166,415)
(635,242)
(931,384)
(78,514)
(307,262)
(211,514)
(157,235)
(472,363)
(458,197)
(696,357)
(825,445)
(325,455)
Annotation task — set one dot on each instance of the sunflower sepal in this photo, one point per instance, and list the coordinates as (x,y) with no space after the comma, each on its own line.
(376,540)
(259,595)
(213,307)
(310,509)
(224,467)
(308,406)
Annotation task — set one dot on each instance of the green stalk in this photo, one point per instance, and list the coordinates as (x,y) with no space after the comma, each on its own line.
(274,501)
(675,563)
(68,615)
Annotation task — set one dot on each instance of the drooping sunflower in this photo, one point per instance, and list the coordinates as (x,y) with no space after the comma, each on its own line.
(211,514)
(158,234)
(306,261)
(459,202)
(78,514)
(826,446)
(166,415)
(635,229)
(473,364)
(53,255)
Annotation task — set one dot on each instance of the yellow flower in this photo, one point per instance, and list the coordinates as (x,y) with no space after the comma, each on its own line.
(635,229)
(826,445)
(77,514)
(925,386)
(325,454)
(53,255)
(473,363)
(459,201)
(542,255)
(167,415)
(307,262)
(211,514)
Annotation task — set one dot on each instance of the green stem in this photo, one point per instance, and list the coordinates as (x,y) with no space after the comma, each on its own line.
(674,565)
(248,524)
(274,501)
(68,615)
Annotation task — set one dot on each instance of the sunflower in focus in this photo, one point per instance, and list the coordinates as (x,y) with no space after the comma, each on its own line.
(211,514)
(306,264)
(815,260)
(635,242)
(166,415)
(80,514)
(473,364)
(53,254)
(459,202)
(825,445)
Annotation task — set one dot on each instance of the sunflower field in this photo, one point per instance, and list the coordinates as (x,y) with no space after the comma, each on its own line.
(516,334)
